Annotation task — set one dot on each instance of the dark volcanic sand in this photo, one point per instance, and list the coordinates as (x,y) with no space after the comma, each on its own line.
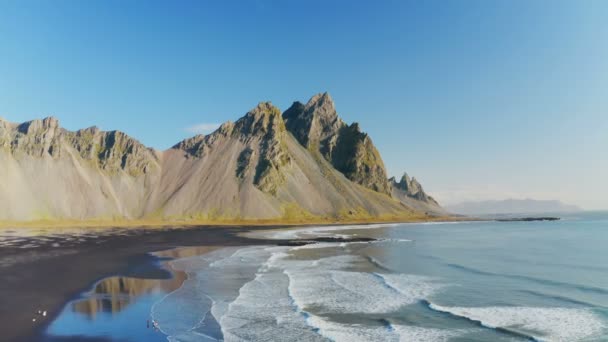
(62,266)
(49,275)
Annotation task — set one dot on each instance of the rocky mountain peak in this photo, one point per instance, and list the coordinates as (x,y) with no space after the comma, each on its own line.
(50,122)
(262,119)
(111,151)
(196,145)
(39,126)
(192,146)
(35,137)
(226,128)
(119,151)
(411,188)
(254,168)
(415,186)
(317,126)
(264,108)
(315,122)
(5,128)
(265,121)
(405,184)
(355,155)
(89,130)
(405,179)
(323,104)
(262,131)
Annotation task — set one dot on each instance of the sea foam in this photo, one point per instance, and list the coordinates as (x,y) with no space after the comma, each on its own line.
(325,231)
(397,333)
(214,281)
(542,324)
(254,292)
(292,295)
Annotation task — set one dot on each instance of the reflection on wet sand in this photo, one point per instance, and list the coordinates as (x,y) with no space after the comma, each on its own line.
(114,294)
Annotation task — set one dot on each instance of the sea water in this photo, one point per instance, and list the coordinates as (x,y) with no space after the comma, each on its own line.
(467,281)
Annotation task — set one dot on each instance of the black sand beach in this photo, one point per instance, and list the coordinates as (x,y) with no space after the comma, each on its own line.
(48,269)
(44,273)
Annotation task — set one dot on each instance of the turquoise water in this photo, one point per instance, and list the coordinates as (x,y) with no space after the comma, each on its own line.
(475,281)
(470,281)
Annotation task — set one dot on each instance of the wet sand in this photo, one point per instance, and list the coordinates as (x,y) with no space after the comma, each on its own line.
(44,272)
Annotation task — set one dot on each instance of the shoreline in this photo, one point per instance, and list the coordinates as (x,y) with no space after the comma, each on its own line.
(47,271)
(48,276)
(131,289)
(59,267)
(267,223)
(178,277)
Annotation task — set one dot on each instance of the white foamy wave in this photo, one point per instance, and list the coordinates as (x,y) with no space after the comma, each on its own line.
(414,287)
(327,286)
(332,234)
(543,324)
(343,292)
(356,332)
(338,262)
(376,241)
(347,243)
(214,282)
(396,240)
(263,308)
(226,277)
(288,295)
(411,333)
(310,232)
(319,245)
(254,292)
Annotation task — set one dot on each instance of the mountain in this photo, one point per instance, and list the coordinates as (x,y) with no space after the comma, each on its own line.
(410,192)
(304,164)
(317,127)
(512,206)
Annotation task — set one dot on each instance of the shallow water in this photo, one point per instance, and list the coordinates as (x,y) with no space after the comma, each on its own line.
(473,281)
(117,308)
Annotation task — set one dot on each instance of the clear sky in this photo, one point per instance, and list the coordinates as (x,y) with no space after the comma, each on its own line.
(478,99)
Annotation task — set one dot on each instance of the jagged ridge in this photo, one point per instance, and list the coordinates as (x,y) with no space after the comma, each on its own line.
(410,192)
(317,126)
(303,163)
(111,151)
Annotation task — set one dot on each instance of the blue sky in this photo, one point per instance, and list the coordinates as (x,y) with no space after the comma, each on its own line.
(478,99)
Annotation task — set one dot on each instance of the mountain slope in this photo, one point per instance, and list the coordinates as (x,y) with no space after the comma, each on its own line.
(267,165)
(51,173)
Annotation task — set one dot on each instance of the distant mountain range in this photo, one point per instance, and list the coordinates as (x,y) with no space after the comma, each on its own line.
(303,164)
(511,206)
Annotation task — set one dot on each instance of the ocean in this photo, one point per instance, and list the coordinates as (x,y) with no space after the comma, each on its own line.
(465,281)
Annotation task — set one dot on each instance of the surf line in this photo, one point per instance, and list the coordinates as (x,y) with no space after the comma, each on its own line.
(502,330)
